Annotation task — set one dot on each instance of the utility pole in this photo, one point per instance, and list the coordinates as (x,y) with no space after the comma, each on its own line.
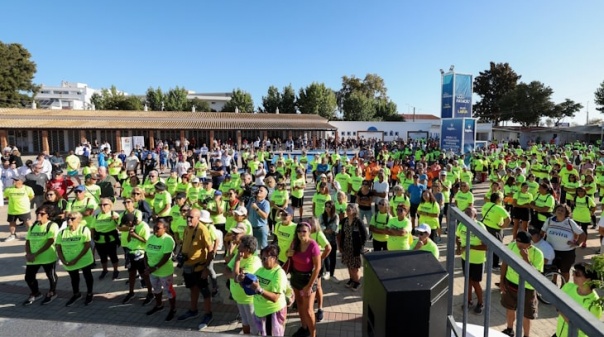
(587,110)
(414,114)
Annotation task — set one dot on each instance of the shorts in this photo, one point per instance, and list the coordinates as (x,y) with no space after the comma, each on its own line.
(476,270)
(509,300)
(163,284)
(246,312)
(21,217)
(297,202)
(299,280)
(521,214)
(413,210)
(138,265)
(564,260)
(194,279)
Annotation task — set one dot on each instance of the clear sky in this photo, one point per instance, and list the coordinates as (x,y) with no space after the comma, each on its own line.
(216,46)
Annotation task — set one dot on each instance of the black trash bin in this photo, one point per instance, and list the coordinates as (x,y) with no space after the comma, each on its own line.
(404,294)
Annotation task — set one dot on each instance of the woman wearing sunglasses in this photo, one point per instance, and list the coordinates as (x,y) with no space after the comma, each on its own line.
(74,251)
(306,265)
(58,205)
(105,234)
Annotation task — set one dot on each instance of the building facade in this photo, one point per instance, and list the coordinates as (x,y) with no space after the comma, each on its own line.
(67,96)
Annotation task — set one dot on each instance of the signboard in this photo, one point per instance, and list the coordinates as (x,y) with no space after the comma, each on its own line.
(446,108)
(462,107)
(451,135)
(469,135)
(138,141)
(126,144)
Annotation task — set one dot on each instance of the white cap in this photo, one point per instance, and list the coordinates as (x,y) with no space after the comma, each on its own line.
(423,228)
(205,216)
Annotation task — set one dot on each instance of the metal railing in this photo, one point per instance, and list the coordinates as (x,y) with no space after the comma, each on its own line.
(578,317)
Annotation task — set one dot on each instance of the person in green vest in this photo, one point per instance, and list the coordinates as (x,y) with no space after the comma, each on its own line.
(477,258)
(137,239)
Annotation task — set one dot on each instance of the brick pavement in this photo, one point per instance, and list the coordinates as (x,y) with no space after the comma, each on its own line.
(343,308)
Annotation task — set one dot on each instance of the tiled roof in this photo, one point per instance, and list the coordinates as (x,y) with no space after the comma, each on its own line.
(109,119)
(409,117)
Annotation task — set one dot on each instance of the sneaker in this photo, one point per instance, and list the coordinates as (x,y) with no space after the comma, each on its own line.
(205,321)
(319,315)
(334,279)
(155,310)
(10,238)
(355,286)
(128,298)
(584,245)
(301,332)
(188,315)
(73,299)
(326,277)
(171,315)
(478,308)
(508,331)
(32,298)
(103,274)
(148,299)
(88,299)
(49,298)
(349,283)
(116,274)
(470,305)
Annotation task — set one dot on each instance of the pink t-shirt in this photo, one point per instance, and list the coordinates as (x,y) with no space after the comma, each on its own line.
(302,261)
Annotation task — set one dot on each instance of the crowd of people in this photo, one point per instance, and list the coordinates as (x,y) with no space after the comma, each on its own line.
(197,209)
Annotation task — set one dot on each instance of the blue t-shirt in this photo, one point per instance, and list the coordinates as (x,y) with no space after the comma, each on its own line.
(254,217)
(415,193)
(217,180)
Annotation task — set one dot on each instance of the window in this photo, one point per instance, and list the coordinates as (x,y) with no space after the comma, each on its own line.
(343,133)
(354,133)
(348,133)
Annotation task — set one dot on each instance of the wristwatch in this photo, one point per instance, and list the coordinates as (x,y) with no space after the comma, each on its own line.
(260,291)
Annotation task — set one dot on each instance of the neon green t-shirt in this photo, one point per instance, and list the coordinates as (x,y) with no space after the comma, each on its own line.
(464,199)
(249,265)
(178,227)
(581,212)
(298,192)
(142,229)
(319,201)
(431,208)
(103,223)
(523,198)
(285,235)
(535,259)
(275,281)
(400,242)
(279,197)
(320,238)
(38,235)
(587,301)
(399,200)
(380,220)
(217,219)
(546,200)
(494,215)
(429,247)
(19,199)
(476,256)
(81,206)
(155,249)
(171,184)
(72,243)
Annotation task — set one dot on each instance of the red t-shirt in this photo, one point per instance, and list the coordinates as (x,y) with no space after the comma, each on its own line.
(61,185)
(302,261)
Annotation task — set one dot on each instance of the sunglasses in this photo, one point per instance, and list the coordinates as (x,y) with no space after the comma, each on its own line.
(302,231)
(190,217)
(79,191)
(127,202)
(136,193)
(41,213)
(71,219)
(264,259)
(50,194)
(400,209)
(105,204)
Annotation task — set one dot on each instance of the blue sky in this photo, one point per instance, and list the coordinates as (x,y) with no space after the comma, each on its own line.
(215,46)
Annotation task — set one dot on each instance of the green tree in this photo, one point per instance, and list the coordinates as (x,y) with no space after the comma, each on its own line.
(317,99)
(200,106)
(176,99)
(527,103)
(386,110)
(373,88)
(599,98)
(272,100)
(155,99)
(241,100)
(131,103)
(17,72)
(568,108)
(288,100)
(491,85)
(357,107)
(113,99)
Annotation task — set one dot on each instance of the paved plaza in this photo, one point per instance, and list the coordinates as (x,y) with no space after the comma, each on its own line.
(106,316)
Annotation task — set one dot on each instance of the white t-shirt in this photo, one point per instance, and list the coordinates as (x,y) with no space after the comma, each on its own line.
(546,249)
(131,162)
(560,233)
(381,187)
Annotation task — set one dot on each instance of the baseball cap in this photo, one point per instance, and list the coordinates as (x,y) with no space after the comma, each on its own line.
(423,177)
(239,229)
(206,181)
(195,180)
(160,186)
(20,178)
(443,173)
(247,282)
(240,210)
(289,211)
(79,188)
(523,237)
(91,176)
(423,228)
(227,176)
(216,193)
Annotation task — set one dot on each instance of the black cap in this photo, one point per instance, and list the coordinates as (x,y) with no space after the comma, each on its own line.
(127,218)
(523,237)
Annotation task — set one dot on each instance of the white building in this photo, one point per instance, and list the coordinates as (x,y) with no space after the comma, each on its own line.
(216,100)
(67,96)
(423,127)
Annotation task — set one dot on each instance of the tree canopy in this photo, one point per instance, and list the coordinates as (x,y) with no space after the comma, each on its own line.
(599,98)
(317,99)
(113,99)
(526,103)
(492,85)
(17,72)
(241,101)
(568,108)
(370,95)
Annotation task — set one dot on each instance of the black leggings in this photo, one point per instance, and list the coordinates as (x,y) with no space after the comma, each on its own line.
(330,261)
(74,275)
(30,276)
(379,245)
(108,249)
